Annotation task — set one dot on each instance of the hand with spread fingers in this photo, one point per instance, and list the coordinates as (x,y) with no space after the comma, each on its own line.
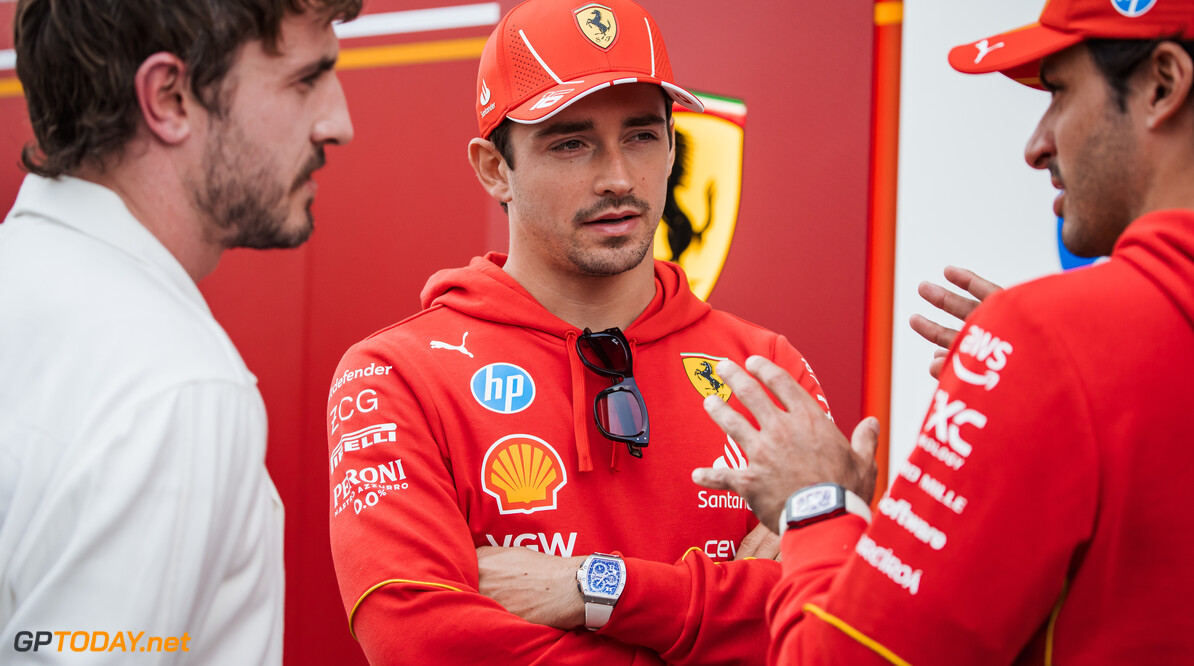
(949,303)
(794,446)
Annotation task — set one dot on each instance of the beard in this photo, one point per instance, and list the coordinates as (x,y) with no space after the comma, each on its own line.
(242,197)
(618,254)
(1101,190)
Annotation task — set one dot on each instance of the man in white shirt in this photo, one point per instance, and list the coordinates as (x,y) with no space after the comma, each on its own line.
(136,513)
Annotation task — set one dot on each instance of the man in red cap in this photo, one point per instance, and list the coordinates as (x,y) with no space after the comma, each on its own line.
(550,399)
(1033,522)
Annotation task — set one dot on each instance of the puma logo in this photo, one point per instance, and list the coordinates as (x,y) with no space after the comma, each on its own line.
(436,344)
(984,49)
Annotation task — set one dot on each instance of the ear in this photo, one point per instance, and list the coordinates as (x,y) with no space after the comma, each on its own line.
(491,168)
(671,157)
(161,87)
(1169,76)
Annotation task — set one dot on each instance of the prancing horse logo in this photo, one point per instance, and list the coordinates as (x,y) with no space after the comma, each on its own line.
(598,24)
(702,374)
(706,371)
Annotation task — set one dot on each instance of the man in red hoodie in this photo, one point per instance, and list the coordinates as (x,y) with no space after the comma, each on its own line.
(1034,521)
(550,399)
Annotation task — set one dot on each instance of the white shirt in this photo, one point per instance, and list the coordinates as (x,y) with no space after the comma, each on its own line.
(133,490)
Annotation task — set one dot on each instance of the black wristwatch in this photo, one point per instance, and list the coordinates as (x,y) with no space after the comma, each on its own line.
(822,501)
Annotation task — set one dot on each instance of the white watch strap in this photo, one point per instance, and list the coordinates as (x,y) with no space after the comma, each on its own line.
(858,506)
(854,504)
(596,615)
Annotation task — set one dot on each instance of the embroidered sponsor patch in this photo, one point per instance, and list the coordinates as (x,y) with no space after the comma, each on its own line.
(523,473)
(702,374)
(504,388)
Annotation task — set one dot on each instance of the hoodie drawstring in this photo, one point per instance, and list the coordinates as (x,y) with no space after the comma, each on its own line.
(579,417)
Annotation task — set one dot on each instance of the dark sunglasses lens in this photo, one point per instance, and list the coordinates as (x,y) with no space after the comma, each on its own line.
(620,414)
(605,351)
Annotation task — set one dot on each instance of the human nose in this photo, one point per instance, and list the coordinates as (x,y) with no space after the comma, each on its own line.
(615,177)
(1040,149)
(335,126)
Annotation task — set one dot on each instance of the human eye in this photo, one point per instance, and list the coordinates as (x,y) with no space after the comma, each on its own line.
(310,80)
(567,146)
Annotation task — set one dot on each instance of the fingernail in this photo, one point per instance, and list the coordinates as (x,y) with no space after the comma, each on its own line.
(711,402)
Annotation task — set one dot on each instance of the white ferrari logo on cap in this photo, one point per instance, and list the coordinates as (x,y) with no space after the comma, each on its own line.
(598,24)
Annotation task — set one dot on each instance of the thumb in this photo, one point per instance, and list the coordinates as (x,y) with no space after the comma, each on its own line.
(718,479)
(865,439)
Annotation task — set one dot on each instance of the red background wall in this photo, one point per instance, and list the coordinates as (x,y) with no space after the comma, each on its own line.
(401,202)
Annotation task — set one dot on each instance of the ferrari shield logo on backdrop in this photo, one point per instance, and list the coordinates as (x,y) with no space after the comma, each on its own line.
(597,23)
(702,372)
(523,473)
(703,191)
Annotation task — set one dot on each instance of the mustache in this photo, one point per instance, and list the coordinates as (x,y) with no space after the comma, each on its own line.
(1054,172)
(612,204)
(318,159)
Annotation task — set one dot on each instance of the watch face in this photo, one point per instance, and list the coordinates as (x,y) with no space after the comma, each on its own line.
(813,501)
(604,577)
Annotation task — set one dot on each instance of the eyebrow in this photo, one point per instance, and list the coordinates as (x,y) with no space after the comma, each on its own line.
(321,66)
(645,120)
(563,127)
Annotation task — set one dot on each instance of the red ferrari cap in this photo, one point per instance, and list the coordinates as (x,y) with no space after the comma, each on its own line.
(546,54)
(1064,23)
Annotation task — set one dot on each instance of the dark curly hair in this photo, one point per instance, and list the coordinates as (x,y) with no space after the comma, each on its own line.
(1118,60)
(77,60)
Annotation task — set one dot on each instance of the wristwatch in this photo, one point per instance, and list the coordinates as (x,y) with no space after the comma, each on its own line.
(601,578)
(822,501)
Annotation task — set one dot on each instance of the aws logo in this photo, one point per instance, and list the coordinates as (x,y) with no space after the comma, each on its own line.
(702,373)
(988,350)
(523,473)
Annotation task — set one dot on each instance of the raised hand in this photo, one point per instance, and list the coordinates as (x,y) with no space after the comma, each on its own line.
(952,304)
(795,445)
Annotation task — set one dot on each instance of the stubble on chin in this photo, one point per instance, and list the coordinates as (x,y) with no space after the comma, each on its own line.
(616,256)
(242,200)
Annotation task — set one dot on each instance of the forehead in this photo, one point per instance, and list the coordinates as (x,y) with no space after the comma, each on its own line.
(612,107)
(1073,61)
(302,39)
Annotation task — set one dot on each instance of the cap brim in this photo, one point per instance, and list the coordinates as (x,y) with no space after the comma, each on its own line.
(551,101)
(1016,53)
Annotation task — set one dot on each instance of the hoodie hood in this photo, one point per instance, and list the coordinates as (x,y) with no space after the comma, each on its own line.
(474,289)
(1161,245)
(484,291)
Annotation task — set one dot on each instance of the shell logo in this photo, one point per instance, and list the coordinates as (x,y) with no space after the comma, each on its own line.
(523,473)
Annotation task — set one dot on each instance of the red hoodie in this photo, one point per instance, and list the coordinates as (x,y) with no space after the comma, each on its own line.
(1037,520)
(471,424)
